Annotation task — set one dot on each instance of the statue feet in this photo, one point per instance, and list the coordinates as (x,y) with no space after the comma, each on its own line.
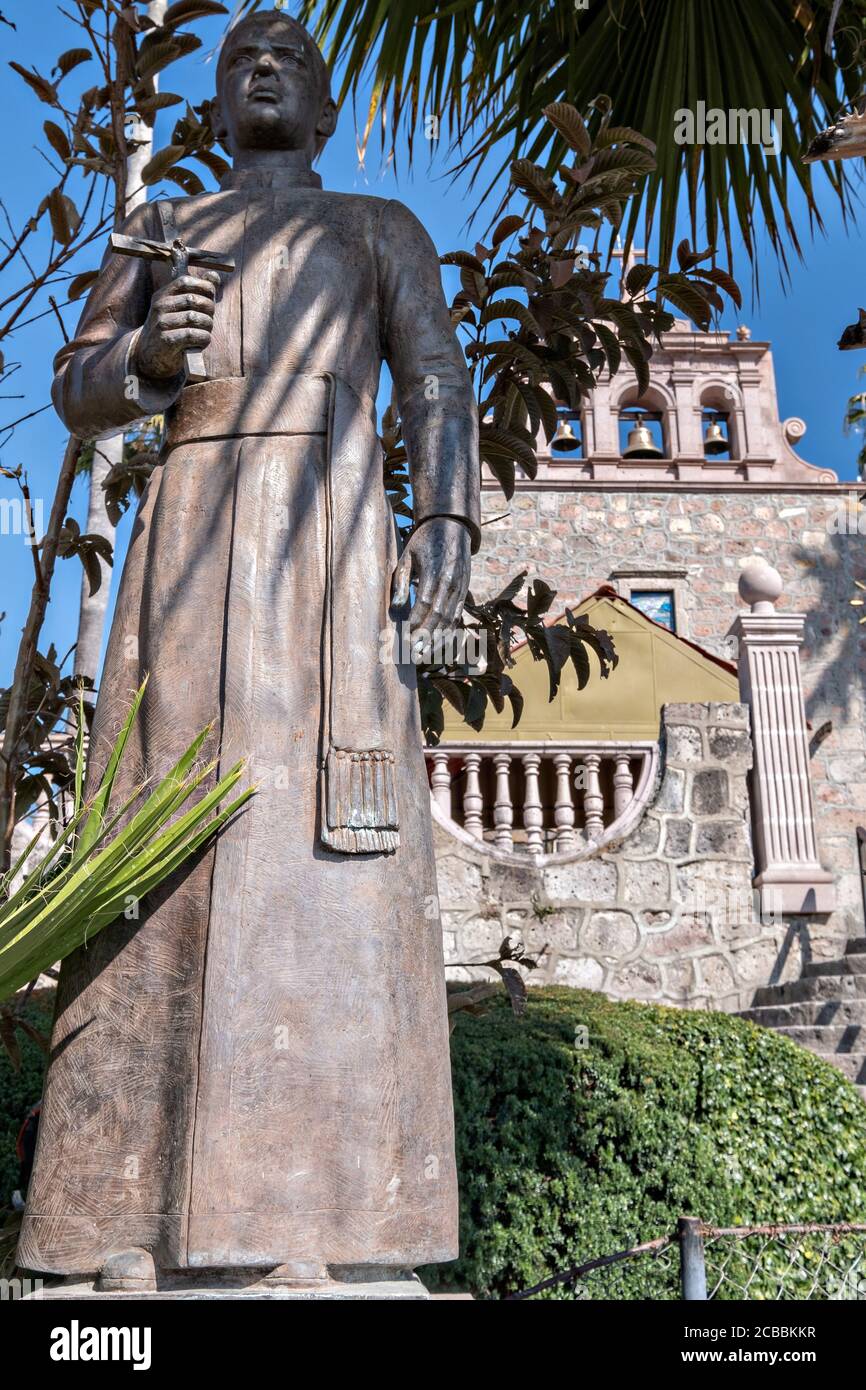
(129,1271)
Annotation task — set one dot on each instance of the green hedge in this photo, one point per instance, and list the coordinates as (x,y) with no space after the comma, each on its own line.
(567,1153)
(18,1092)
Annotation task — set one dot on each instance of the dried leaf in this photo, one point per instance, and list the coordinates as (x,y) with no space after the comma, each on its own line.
(157,167)
(184,10)
(64,215)
(57,139)
(71,59)
(568,121)
(44,89)
(507,227)
(81,283)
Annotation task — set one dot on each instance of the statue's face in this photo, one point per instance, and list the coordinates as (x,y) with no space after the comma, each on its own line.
(270,93)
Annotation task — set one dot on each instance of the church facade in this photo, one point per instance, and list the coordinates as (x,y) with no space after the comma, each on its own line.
(640,834)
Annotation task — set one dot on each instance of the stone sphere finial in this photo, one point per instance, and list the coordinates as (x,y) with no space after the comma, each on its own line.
(760,585)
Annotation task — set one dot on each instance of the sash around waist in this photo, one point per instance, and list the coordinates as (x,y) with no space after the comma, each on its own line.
(253,405)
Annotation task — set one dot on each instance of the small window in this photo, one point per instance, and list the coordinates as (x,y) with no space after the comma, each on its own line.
(657,604)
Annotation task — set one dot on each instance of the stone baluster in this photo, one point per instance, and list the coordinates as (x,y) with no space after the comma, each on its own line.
(503,810)
(533,815)
(623,786)
(593,801)
(564,811)
(790,876)
(440,781)
(473,801)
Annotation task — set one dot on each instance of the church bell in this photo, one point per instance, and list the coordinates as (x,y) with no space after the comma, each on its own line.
(715,441)
(565,439)
(640,443)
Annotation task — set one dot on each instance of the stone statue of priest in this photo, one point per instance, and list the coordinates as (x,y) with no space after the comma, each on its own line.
(253,1077)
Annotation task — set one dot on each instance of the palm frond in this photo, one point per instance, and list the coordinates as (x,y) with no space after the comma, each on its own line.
(488,70)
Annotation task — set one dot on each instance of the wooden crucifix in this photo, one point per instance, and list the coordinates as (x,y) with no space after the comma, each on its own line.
(181,258)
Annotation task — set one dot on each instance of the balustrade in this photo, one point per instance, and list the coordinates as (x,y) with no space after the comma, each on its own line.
(541,798)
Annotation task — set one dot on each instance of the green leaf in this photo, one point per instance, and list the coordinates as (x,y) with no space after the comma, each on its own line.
(547,410)
(79,754)
(507,444)
(92,827)
(637,358)
(502,468)
(610,343)
(57,909)
(454,693)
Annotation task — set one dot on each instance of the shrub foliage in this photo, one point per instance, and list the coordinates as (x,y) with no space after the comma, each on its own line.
(568,1152)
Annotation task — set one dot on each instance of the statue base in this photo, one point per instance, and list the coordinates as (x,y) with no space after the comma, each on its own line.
(189,1285)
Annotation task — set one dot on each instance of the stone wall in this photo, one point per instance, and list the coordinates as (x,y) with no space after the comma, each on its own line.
(668,914)
(697,542)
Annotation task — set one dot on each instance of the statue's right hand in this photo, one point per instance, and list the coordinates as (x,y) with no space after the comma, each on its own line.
(180,318)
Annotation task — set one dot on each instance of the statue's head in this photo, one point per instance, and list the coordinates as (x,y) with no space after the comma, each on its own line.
(273,88)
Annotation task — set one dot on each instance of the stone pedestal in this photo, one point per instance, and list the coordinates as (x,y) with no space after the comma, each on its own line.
(790,878)
(210,1285)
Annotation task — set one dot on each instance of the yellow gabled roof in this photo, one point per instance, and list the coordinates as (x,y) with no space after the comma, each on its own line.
(656,667)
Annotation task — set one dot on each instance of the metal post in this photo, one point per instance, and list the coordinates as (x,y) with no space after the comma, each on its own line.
(693,1274)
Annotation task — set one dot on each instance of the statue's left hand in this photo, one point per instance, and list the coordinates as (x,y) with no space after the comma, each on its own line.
(438,558)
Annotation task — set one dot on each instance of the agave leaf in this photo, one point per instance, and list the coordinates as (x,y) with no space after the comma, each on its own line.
(57,908)
(33,883)
(92,825)
(97,898)
(79,753)
(9,877)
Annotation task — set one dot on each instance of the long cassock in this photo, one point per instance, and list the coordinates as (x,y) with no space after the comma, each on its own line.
(256,1071)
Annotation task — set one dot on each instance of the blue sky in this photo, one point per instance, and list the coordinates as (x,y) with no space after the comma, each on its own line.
(802,320)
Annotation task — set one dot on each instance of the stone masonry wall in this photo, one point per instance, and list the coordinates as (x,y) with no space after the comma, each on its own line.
(668,914)
(577,539)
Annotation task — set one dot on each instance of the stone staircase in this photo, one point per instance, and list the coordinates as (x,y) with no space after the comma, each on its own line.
(825,1010)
